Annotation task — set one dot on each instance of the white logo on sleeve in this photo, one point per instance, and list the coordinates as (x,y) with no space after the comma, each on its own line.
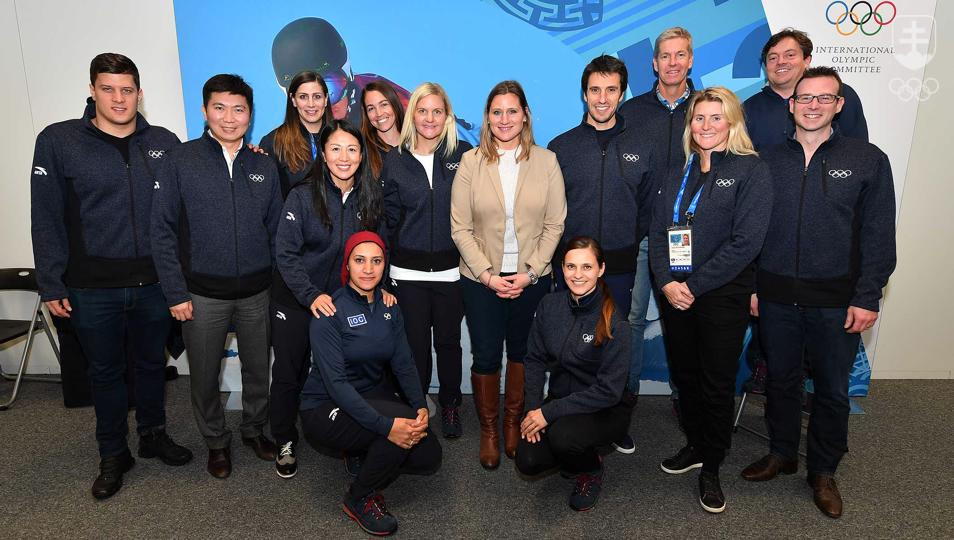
(39,171)
(587,338)
(289,216)
(155,185)
(280,315)
(334,414)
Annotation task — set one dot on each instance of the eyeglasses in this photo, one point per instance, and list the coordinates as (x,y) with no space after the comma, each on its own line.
(824,99)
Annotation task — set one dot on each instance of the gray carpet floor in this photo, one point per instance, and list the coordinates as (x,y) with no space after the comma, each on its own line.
(897,482)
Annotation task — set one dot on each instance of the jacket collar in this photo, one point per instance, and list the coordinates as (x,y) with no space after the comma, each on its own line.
(654,92)
(90,112)
(586,304)
(217,146)
(620,124)
(836,134)
(360,298)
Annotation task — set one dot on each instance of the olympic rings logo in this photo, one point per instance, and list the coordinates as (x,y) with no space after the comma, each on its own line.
(256,177)
(156,154)
(874,16)
(839,173)
(725,182)
(906,90)
(453,166)
(632,158)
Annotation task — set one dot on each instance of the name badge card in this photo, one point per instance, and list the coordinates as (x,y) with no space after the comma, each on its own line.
(680,249)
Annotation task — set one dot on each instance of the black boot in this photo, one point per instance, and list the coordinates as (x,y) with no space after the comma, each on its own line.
(110,477)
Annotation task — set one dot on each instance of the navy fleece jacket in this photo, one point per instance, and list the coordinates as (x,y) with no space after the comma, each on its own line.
(352,353)
(213,233)
(90,208)
(584,378)
(831,239)
(728,227)
(647,112)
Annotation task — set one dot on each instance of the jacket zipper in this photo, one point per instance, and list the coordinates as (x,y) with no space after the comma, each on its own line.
(132,210)
(433,179)
(825,177)
(567,337)
(599,235)
(798,230)
(238,278)
(340,243)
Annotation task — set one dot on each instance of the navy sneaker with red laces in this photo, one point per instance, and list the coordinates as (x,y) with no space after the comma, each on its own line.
(370,513)
(586,490)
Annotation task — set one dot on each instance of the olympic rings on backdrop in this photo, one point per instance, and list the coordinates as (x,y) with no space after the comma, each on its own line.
(873,15)
(912,88)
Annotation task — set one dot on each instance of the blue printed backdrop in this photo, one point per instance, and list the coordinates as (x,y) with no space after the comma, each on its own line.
(468,46)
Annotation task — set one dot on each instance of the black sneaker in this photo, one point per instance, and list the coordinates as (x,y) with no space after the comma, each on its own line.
(626,445)
(710,493)
(586,490)
(450,422)
(110,477)
(371,514)
(286,464)
(157,443)
(684,461)
(353,464)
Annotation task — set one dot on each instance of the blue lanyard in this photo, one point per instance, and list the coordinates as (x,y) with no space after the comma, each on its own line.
(682,189)
(314,147)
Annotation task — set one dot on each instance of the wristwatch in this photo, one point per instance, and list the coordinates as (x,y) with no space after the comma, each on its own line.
(534,278)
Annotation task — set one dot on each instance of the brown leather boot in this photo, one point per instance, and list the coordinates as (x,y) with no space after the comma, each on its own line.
(513,407)
(487,403)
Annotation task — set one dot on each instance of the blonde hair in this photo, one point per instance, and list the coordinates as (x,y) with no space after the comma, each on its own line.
(448,134)
(672,33)
(488,144)
(739,142)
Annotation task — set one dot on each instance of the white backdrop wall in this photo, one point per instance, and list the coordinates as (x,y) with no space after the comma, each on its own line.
(47,45)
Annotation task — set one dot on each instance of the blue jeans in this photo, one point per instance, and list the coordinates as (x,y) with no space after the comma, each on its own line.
(104,321)
(637,314)
(787,332)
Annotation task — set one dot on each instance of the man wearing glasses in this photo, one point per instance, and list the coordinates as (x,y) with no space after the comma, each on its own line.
(829,251)
(786,56)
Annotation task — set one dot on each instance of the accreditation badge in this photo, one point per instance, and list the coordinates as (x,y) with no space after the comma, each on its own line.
(680,249)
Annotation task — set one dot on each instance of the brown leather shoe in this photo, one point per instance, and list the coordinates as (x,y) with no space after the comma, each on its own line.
(220,462)
(826,495)
(487,402)
(264,448)
(768,467)
(513,407)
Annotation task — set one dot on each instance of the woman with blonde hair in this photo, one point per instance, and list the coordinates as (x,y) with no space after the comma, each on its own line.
(417,181)
(507,212)
(709,223)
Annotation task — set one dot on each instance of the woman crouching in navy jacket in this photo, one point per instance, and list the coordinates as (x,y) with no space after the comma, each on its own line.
(582,340)
(349,405)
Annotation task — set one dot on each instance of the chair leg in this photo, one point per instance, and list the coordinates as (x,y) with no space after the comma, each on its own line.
(738,414)
(23,363)
(25,358)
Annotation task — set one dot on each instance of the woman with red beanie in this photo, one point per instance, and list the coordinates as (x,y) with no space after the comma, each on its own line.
(348,403)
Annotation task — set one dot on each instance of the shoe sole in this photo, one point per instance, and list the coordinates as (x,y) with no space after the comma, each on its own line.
(151,455)
(712,510)
(451,435)
(680,471)
(363,528)
(292,475)
(623,450)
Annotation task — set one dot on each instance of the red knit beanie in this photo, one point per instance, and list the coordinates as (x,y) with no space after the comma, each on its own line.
(353,241)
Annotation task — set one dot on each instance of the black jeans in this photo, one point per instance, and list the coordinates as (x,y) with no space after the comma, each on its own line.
(106,321)
(329,427)
(290,368)
(570,442)
(437,306)
(703,344)
(492,320)
(788,332)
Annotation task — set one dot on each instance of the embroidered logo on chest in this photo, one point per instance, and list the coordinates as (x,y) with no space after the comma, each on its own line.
(357,320)
(587,338)
(452,166)
(840,174)
(725,182)
(156,154)
(632,158)
(387,316)
(255,177)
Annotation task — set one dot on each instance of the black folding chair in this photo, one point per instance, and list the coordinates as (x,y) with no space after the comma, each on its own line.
(24,279)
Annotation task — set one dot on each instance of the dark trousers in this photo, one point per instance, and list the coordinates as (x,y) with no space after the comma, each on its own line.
(703,344)
(571,442)
(327,426)
(106,321)
(787,333)
(492,320)
(620,286)
(204,339)
(290,367)
(437,306)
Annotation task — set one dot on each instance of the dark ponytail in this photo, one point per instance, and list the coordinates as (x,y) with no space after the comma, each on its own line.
(604,328)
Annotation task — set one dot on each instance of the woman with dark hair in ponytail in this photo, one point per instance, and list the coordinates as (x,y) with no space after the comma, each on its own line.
(580,337)
(294,144)
(382,115)
(338,198)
